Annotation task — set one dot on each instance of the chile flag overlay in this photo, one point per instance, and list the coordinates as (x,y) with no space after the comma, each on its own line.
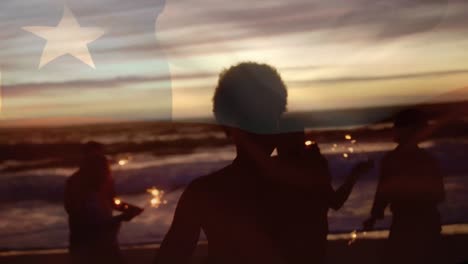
(85,61)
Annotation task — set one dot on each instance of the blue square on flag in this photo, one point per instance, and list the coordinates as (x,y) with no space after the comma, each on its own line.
(83,61)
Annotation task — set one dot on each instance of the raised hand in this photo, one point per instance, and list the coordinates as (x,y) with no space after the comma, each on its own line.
(130,213)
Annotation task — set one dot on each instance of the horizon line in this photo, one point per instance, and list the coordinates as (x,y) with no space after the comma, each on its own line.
(64,121)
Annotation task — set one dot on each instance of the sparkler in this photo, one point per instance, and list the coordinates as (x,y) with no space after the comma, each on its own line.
(124,161)
(127,208)
(348,137)
(353,239)
(155,201)
(354,236)
(333,148)
(351,148)
(156,197)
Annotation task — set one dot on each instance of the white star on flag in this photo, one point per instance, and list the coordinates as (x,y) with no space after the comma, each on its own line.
(67,38)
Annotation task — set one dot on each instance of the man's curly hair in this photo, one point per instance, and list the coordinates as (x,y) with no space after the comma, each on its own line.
(250,96)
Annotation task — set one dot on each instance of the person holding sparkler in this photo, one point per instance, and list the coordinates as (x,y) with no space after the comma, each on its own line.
(304,178)
(412,184)
(89,202)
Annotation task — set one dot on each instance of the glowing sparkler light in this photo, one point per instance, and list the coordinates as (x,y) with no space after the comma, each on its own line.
(157,197)
(348,137)
(153,191)
(155,202)
(124,160)
(117,201)
(345,155)
(354,237)
(308,142)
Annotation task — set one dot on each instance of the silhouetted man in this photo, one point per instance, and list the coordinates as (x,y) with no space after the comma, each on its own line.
(228,204)
(242,208)
(411,183)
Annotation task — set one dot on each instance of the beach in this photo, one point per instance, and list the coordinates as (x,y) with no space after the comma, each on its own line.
(168,157)
(274,125)
(362,251)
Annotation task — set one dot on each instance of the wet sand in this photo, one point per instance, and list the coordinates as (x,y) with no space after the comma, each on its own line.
(454,250)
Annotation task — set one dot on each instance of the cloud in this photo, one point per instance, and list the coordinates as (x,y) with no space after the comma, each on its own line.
(187,26)
(33,88)
(208,22)
(348,79)
(204,25)
(358,20)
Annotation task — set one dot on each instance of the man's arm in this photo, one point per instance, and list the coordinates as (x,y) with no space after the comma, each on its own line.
(435,179)
(380,198)
(70,194)
(67,199)
(181,240)
(342,194)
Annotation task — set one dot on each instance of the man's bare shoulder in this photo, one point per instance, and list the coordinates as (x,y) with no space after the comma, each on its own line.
(72,178)
(210,180)
(199,191)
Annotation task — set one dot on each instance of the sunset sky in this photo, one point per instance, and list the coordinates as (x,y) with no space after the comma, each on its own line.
(332,54)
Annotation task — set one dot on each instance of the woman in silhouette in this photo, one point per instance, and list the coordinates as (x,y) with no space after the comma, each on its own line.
(411,184)
(89,202)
